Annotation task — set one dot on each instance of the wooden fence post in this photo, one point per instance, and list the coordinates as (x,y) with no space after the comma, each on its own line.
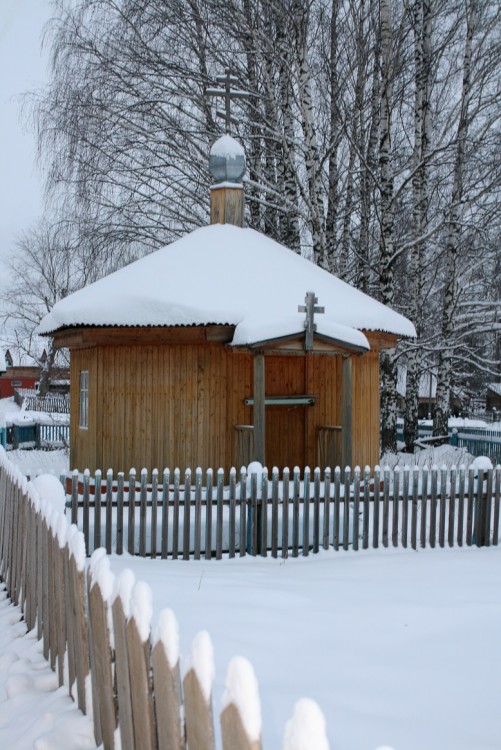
(60,591)
(76,566)
(68,604)
(138,650)
(167,684)
(100,583)
(198,695)
(241,715)
(121,612)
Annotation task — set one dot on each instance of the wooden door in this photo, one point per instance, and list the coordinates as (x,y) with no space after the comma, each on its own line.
(285,424)
(285,437)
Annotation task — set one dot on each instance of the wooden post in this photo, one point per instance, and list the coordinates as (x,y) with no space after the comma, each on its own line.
(347,412)
(168,703)
(122,675)
(102,671)
(258,408)
(198,712)
(141,692)
(227,204)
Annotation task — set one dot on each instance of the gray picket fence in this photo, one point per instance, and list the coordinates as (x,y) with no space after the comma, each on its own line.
(284,515)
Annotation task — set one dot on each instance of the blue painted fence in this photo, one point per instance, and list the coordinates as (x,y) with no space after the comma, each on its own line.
(479,441)
(40,436)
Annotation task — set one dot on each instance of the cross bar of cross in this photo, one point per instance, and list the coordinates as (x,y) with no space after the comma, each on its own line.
(310,308)
(228,94)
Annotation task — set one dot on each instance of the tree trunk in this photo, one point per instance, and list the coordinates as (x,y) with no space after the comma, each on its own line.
(328,262)
(388,365)
(445,358)
(421,16)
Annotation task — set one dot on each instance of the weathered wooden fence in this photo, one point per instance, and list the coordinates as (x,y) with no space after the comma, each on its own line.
(173,517)
(96,634)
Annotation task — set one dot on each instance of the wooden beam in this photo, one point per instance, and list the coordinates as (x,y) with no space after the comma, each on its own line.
(259,408)
(347,412)
(381,340)
(136,335)
(294,344)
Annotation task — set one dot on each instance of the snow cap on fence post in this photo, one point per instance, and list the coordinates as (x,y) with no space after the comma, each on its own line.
(50,488)
(102,573)
(241,691)
(76,546)
(306,729)
(141,608)
(202,662)
(255,468)
(124,583)
(167,632)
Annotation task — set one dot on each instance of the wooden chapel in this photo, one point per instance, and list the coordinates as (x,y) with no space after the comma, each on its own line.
(221,348)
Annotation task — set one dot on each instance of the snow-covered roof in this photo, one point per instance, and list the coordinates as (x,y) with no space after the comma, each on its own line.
(495,388)
(3,364)
(222,274)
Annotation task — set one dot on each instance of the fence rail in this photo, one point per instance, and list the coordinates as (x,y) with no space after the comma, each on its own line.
(174,517)
(101,645)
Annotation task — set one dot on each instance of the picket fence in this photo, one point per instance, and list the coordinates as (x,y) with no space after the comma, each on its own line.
(52,403)
(287,515)
(102,648)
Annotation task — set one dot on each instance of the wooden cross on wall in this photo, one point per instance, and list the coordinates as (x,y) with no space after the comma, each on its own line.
(310,308)
(228,94)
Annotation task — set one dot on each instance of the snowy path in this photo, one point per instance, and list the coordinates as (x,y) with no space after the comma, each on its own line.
(34,713)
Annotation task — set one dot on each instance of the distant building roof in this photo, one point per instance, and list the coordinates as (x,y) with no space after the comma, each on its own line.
(222,274)
(3,363)
(494,388)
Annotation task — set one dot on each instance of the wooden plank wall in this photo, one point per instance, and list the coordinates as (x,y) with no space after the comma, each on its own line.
(160,406)
(365,400)
(323,377)
(177,406)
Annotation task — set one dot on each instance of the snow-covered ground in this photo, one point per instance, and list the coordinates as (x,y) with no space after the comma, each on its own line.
(34,462)
(398,648)
(34,713)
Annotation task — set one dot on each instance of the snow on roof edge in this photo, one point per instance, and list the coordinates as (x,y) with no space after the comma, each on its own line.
(232,273)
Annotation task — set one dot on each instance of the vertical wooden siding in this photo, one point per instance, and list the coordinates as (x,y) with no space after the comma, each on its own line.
(365,400)
(177,405)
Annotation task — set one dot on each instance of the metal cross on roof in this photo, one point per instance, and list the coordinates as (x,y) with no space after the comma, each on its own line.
(310,308)
(228,94)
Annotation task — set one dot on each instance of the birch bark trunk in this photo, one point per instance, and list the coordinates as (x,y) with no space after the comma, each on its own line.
(445,358)
(388,365)
(311,152)
(421,18)
(329,261)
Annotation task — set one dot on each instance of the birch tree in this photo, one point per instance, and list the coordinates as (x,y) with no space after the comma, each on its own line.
(353,139)
(470,180)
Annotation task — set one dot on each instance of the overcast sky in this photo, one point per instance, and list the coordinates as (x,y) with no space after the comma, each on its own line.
(23,69)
